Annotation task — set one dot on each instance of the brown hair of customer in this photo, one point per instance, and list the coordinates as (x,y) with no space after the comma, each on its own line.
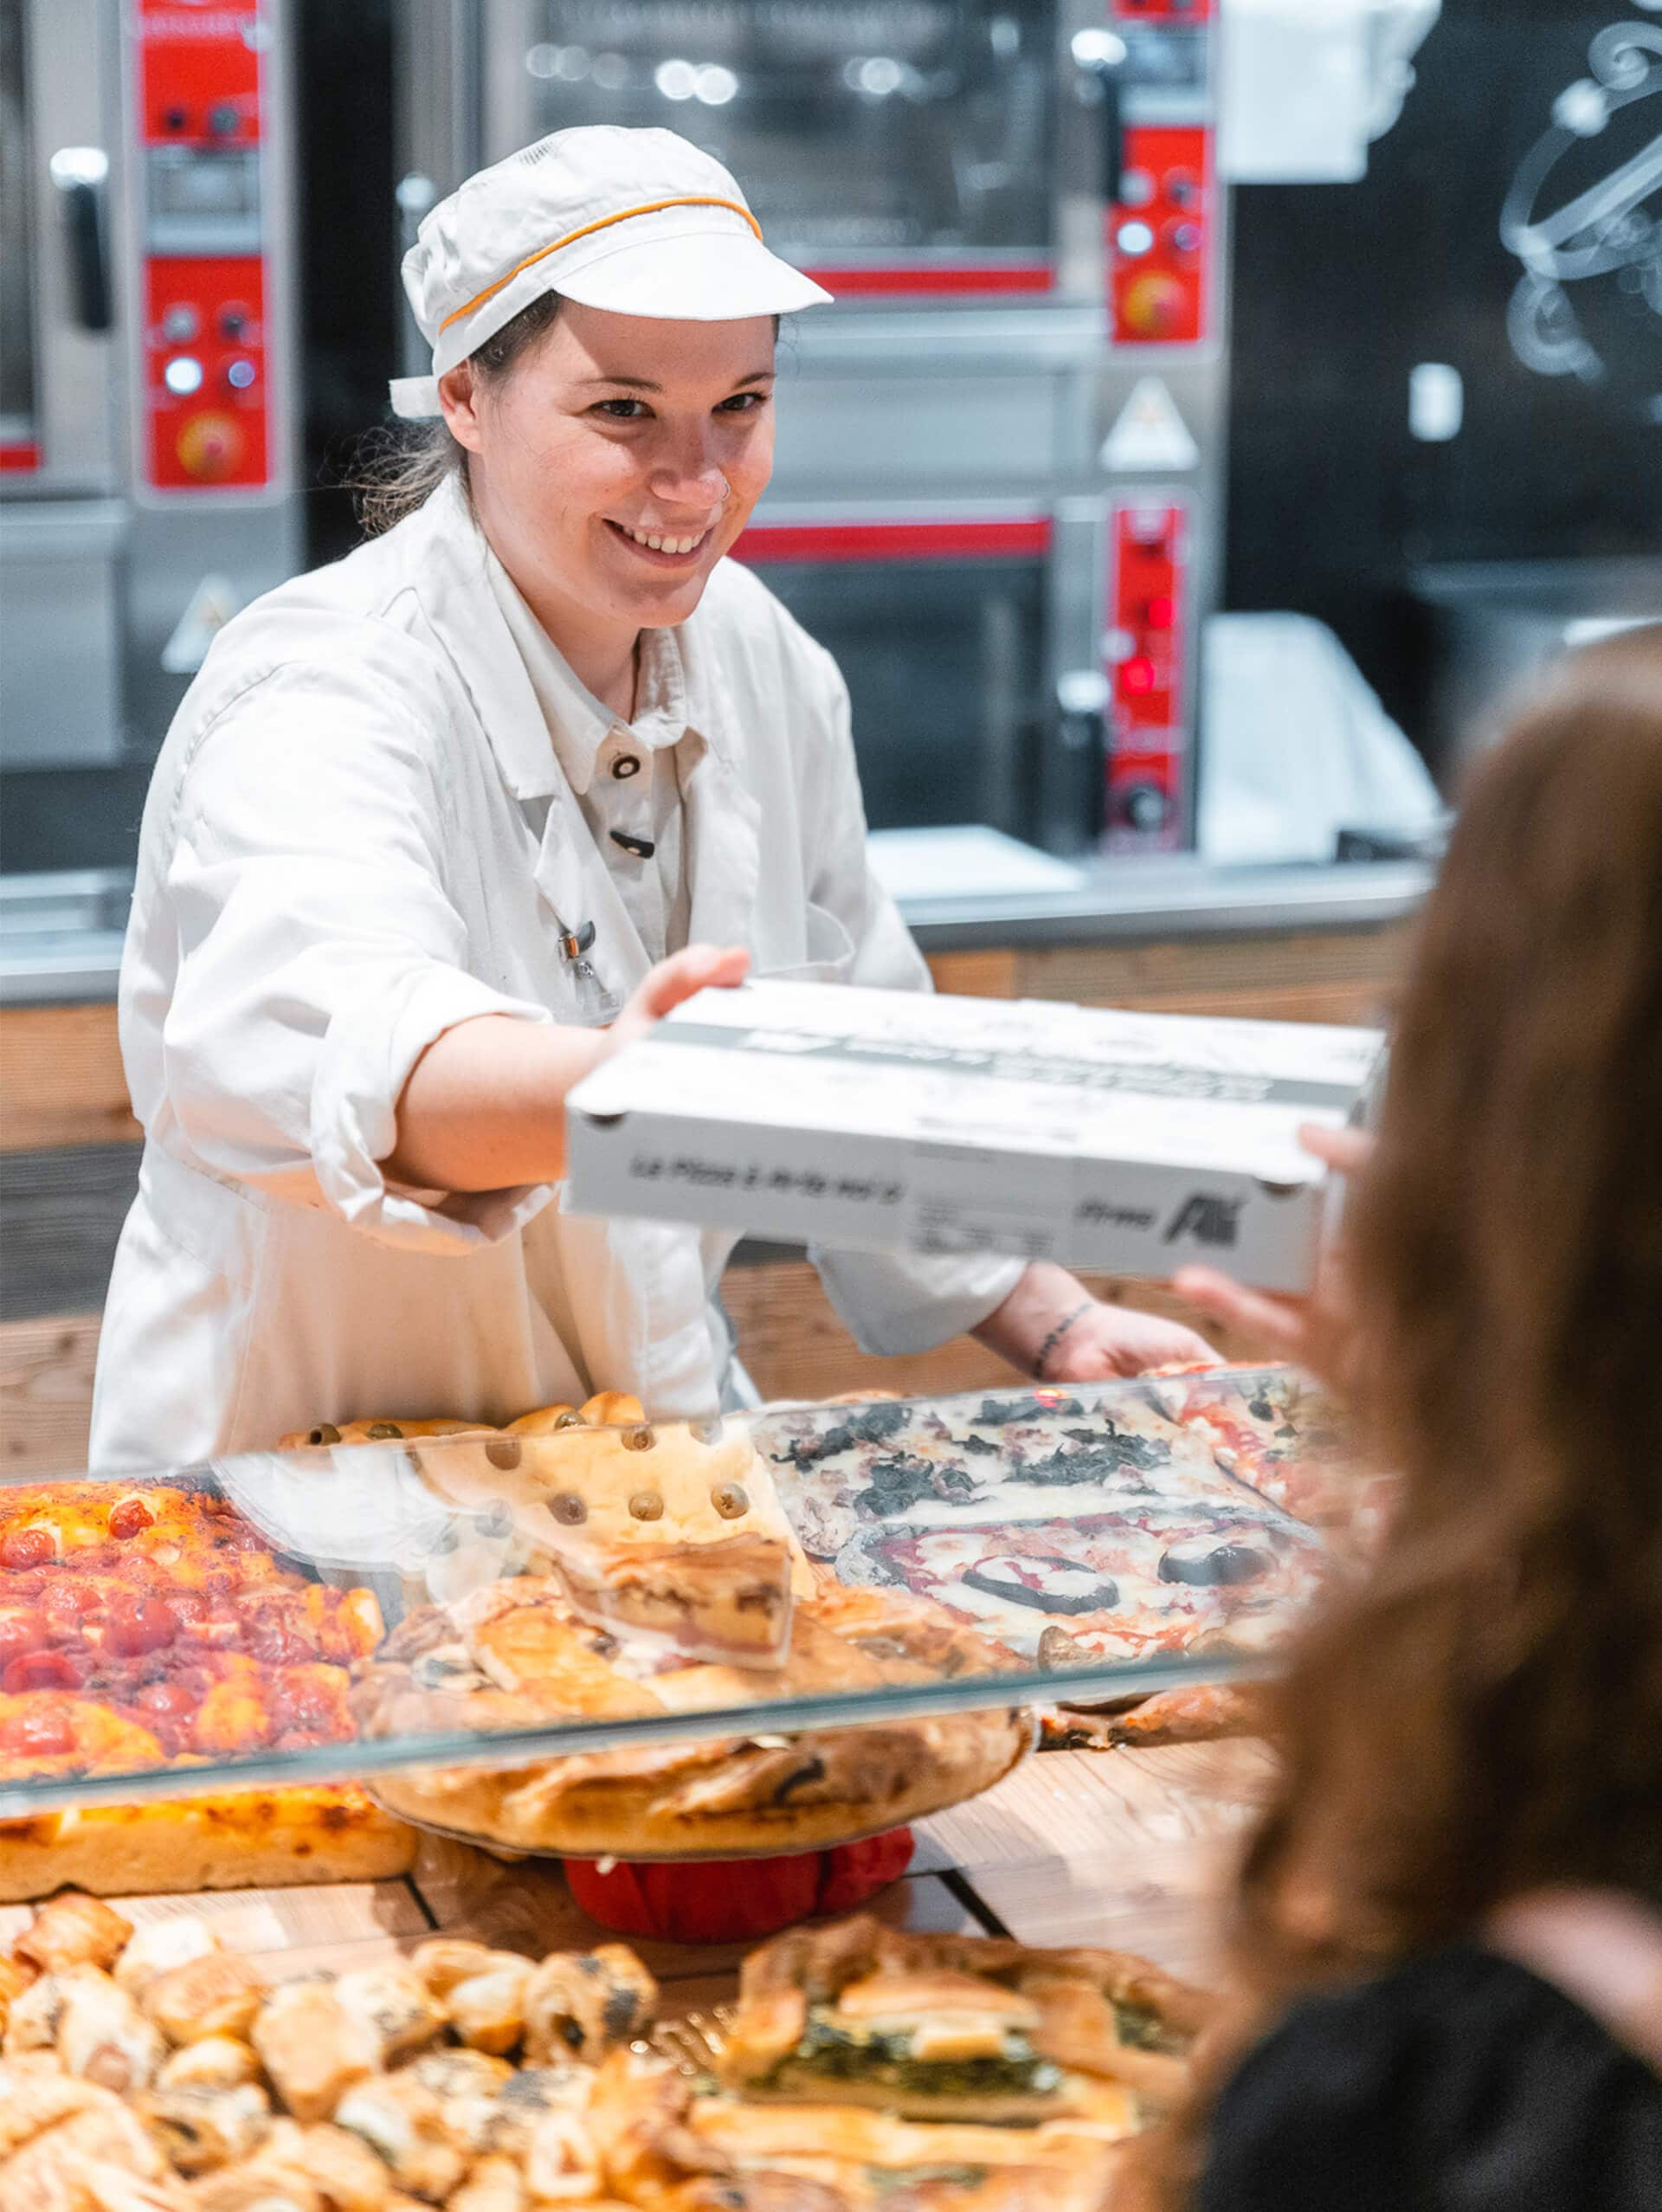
(1483,1714)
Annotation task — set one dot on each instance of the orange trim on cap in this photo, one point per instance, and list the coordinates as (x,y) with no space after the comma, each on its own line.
(624,215)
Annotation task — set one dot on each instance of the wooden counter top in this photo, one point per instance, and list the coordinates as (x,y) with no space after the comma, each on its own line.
(1128,1848)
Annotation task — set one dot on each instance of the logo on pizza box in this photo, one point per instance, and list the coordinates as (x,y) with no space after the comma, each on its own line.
(1207,1218)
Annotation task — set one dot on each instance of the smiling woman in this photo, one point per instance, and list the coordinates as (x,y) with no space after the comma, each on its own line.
(441,827)
(614,469)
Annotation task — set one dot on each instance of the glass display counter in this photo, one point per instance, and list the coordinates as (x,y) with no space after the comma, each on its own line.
(439,1617)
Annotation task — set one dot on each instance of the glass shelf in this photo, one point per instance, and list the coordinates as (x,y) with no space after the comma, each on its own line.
(491,1600)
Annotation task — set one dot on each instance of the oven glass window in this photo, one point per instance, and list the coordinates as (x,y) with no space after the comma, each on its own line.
(17,255)
(943,664)
(860,130)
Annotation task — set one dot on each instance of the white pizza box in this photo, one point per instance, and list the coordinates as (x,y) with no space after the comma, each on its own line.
(882,1120)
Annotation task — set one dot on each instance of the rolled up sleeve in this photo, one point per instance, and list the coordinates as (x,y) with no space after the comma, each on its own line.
(320,954)
(889,1302)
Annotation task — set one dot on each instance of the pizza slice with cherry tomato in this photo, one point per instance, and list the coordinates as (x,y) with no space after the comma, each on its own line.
(1284,1437)
(159,1608)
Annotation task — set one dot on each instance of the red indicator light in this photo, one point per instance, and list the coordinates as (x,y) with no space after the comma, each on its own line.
(1161,613)
(1137,675)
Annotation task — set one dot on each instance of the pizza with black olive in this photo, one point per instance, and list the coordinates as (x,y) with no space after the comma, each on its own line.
(1024,1455)
(1146,1579)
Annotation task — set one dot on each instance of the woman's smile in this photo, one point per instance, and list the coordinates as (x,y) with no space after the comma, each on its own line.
(662,548)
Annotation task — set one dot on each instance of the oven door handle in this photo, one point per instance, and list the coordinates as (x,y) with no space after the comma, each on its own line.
(1102,55)
(81,175)
(1074,789)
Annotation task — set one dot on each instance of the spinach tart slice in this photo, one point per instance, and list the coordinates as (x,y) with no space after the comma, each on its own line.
(944,2026)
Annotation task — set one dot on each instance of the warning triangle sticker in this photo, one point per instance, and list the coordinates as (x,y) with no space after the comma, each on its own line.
(212,604)
(1150,433)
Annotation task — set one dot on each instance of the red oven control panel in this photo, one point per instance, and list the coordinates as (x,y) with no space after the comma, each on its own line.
(1160,226)
(1147,621)
(1158,236)
(207,358)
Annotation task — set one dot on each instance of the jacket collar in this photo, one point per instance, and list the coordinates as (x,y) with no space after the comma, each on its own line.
(722,843)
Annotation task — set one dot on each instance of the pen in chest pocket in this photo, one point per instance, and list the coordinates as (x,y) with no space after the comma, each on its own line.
(596,1005)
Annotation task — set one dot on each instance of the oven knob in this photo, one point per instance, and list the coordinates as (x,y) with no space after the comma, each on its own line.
(1186,237)
(174,119)
(233,322)
(1154,304)
(210,447)
(180,323)
(1144,807)
(224,120)
(240,373)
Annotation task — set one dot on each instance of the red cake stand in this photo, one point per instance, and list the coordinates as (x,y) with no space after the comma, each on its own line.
(733,1901)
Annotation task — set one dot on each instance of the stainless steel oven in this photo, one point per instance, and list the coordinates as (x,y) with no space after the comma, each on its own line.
(147,357)
(1016,204)
(989,669)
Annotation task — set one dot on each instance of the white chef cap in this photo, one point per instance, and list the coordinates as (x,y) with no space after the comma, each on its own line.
(638,222)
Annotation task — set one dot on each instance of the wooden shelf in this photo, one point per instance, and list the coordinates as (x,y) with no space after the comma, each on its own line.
(1128,1848)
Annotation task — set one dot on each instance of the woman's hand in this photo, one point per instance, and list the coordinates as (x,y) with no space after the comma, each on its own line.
(665,987)
(1318,1332)
(484,1108)
(1051,1328)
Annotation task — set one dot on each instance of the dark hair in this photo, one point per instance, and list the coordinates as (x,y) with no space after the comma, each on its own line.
(397,467)
(1483,1714)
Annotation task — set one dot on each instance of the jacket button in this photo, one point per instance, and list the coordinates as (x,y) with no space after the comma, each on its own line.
(624,766)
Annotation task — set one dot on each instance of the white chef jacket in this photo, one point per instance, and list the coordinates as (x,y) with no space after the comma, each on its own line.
(358,834)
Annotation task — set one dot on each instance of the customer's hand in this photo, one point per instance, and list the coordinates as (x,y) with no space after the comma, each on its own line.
(664,988)
(1318,1332)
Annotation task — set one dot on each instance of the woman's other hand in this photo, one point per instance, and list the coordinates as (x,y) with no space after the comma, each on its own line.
(1051,1328)
(1316,1332)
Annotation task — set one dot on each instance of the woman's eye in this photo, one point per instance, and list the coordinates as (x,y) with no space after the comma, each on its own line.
(743,402)
(621,410)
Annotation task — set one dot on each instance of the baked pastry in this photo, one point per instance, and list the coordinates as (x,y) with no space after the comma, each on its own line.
(378,1429)
(947,2027)
(1200,1712)
(730,1599)
(361,2107)
(383,1428)
(247,1839)
(516,1656)
(664,2142)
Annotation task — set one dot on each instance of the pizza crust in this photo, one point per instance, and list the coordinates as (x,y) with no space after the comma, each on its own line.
(516,1656)
(256,1838)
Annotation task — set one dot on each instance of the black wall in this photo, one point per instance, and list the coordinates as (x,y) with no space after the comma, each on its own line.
(349,249)
(1340,289)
